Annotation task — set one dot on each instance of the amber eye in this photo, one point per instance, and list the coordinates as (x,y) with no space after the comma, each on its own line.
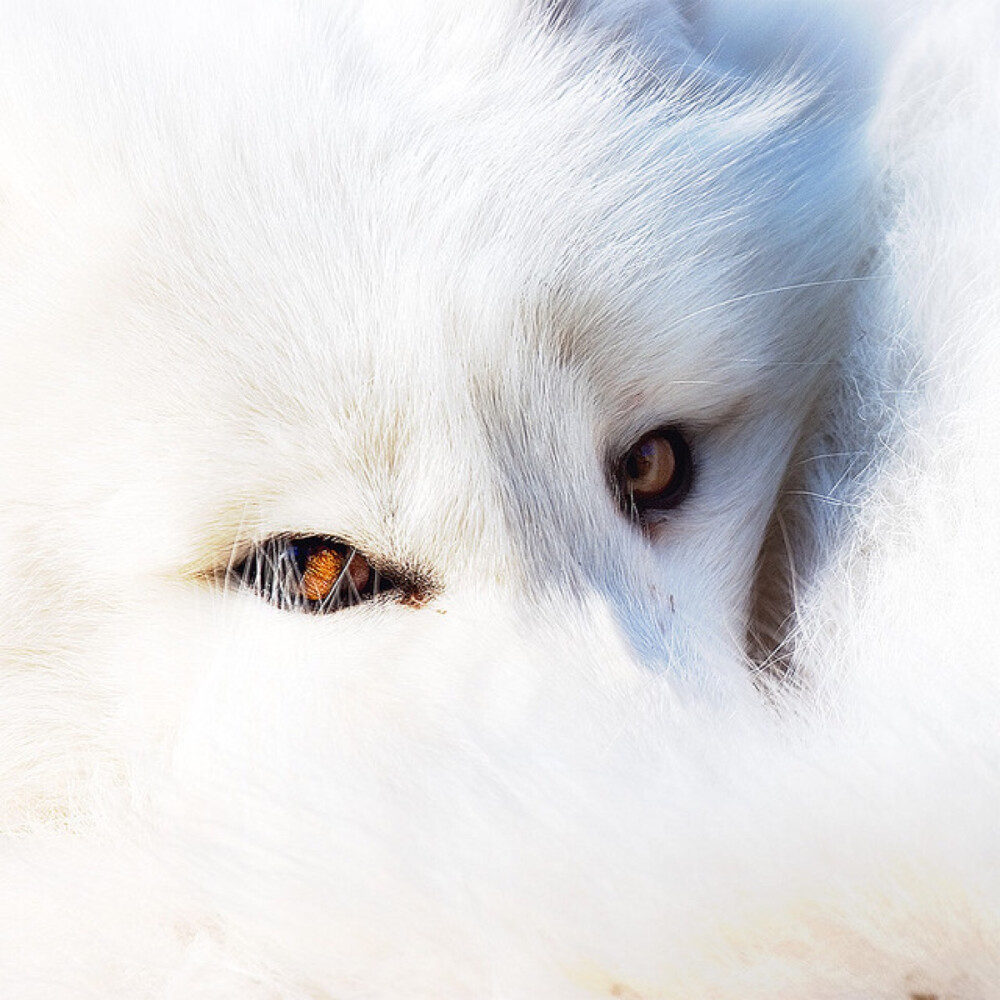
(655,473)
(311,573)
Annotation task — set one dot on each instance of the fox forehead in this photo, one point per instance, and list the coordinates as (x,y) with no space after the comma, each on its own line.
(325,258)
(429,260)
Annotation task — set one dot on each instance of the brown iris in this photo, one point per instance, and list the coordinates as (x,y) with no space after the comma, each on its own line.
(655,473)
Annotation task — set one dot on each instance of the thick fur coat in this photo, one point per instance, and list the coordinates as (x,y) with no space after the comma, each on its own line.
(414,277)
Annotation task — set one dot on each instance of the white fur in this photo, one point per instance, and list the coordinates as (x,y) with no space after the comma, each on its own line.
(413,274)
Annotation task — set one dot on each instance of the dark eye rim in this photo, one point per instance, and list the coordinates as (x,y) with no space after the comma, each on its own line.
(270,569)
(675,492)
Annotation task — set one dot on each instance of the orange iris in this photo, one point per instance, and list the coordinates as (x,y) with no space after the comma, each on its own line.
(322,571)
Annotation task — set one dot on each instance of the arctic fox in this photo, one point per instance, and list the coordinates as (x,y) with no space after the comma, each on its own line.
(497,500)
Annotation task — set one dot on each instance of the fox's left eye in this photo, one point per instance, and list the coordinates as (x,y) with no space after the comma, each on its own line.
(309,573)
(656,472)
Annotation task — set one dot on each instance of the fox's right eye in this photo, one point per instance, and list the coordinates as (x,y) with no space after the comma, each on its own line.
(655,474)
(309,573)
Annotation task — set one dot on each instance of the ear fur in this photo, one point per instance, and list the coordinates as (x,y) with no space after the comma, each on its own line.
(656,29)
(649,19)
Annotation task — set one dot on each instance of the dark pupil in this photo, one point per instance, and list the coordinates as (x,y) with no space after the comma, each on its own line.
(289,561)
(297,554)
(639,460)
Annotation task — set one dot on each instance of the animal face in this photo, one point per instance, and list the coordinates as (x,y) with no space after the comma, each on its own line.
(396,404)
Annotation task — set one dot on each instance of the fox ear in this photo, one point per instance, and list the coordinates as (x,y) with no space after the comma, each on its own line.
(657,25)
(739,38)
(656,30)
(697,41)
(626,15)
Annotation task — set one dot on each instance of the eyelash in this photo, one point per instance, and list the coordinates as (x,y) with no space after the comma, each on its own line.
(311,573)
